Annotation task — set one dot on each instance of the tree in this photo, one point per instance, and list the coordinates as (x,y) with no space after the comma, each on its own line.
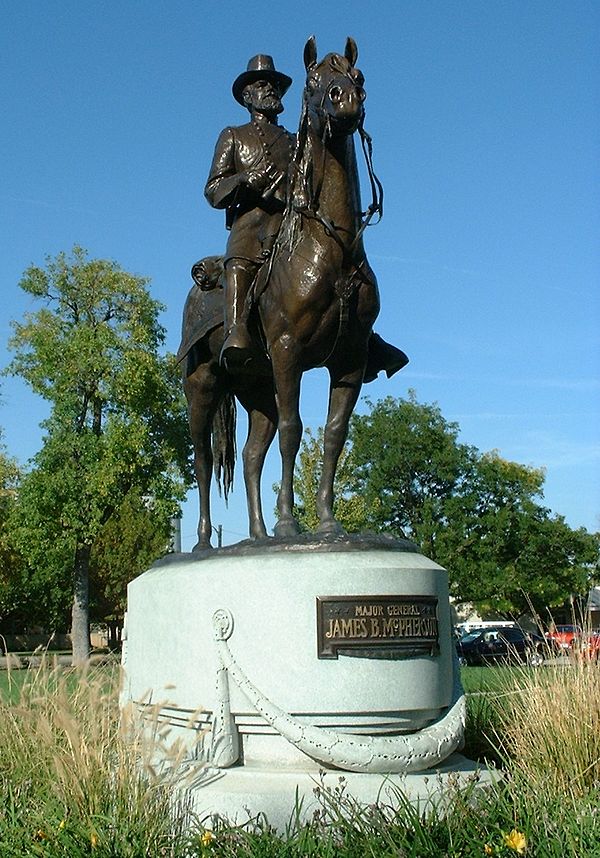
(11,563)
(407,461)
(117,421)
(406,473)
(401,463)
(504,549)
(130,541)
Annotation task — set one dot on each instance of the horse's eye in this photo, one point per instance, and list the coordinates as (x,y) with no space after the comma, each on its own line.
(335,93)
(361,93)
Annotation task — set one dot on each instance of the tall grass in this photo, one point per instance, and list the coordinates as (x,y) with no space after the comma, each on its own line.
(549,728)
(71,782)
(76,781)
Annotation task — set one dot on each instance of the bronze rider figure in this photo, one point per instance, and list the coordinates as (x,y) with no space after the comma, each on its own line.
(247,178)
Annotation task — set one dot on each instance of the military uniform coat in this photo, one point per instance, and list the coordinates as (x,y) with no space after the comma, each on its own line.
(252,217)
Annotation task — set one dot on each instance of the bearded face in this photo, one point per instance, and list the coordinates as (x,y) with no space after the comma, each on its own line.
(263,96)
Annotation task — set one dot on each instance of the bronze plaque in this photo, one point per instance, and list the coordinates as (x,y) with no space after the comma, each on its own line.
(377,626)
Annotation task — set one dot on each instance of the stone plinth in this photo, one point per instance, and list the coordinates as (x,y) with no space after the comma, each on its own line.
(223,647)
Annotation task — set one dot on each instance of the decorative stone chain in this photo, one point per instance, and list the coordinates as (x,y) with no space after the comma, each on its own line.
(414,752)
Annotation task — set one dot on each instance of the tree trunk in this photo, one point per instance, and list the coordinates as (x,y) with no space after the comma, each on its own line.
(114,643)
(80,623)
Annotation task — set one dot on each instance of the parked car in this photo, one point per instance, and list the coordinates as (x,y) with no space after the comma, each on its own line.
(587,646)
(497,645)
(564,637)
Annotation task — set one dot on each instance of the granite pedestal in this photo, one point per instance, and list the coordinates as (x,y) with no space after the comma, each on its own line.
(235,656)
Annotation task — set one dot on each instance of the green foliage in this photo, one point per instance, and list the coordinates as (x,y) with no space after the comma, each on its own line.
(504,550)
(118,422)
(130,541)
(405,472)
(407,462)
(11,564)
(349,508)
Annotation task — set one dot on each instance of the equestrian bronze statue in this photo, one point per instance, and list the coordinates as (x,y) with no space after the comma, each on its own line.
(294,290)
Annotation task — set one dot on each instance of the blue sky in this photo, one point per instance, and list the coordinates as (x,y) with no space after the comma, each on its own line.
(486,130)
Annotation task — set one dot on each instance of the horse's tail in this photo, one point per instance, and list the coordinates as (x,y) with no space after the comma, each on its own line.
(223,444)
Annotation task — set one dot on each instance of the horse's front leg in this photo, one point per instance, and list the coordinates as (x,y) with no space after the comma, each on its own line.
(287,384)
(343,395)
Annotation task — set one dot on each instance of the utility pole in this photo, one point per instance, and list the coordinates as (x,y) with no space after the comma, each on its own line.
(219,531)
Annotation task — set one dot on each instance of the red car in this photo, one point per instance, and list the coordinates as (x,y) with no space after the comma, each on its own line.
(564,637)
(588,646)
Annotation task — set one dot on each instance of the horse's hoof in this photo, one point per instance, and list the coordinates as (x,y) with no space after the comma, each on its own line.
(259,534)
(331,527)
(202,546)
(289,527)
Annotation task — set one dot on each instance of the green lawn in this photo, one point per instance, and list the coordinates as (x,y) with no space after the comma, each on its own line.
(11,682)
(475,679)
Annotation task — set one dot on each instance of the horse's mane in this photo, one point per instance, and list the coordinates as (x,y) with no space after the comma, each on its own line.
(303,177)
(300,185)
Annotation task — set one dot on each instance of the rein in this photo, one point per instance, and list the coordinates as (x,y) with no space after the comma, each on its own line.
(311,209)
(344,286)
(304,202)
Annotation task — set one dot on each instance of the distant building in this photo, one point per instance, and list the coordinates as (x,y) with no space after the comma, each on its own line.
(593,607)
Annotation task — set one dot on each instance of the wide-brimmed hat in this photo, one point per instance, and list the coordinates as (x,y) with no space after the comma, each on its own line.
(260,67)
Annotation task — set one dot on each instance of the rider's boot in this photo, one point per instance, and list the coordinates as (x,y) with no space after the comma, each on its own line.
(238,352)
(383,356)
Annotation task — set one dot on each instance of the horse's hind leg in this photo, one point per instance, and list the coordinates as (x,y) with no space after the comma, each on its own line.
(259,403)
(203,400)
(344,392)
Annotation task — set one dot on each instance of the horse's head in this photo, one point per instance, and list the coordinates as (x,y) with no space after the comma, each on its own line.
(334,87)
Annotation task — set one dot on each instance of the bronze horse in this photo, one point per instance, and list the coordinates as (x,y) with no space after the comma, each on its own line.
(316,300)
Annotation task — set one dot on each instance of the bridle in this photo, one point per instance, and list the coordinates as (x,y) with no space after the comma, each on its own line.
(311,208)
(304,203)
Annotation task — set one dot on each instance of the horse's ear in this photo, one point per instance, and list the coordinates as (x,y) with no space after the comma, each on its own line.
(351,52)
(310,53)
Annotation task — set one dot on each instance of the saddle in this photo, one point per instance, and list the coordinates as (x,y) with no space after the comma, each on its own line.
(203,311)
